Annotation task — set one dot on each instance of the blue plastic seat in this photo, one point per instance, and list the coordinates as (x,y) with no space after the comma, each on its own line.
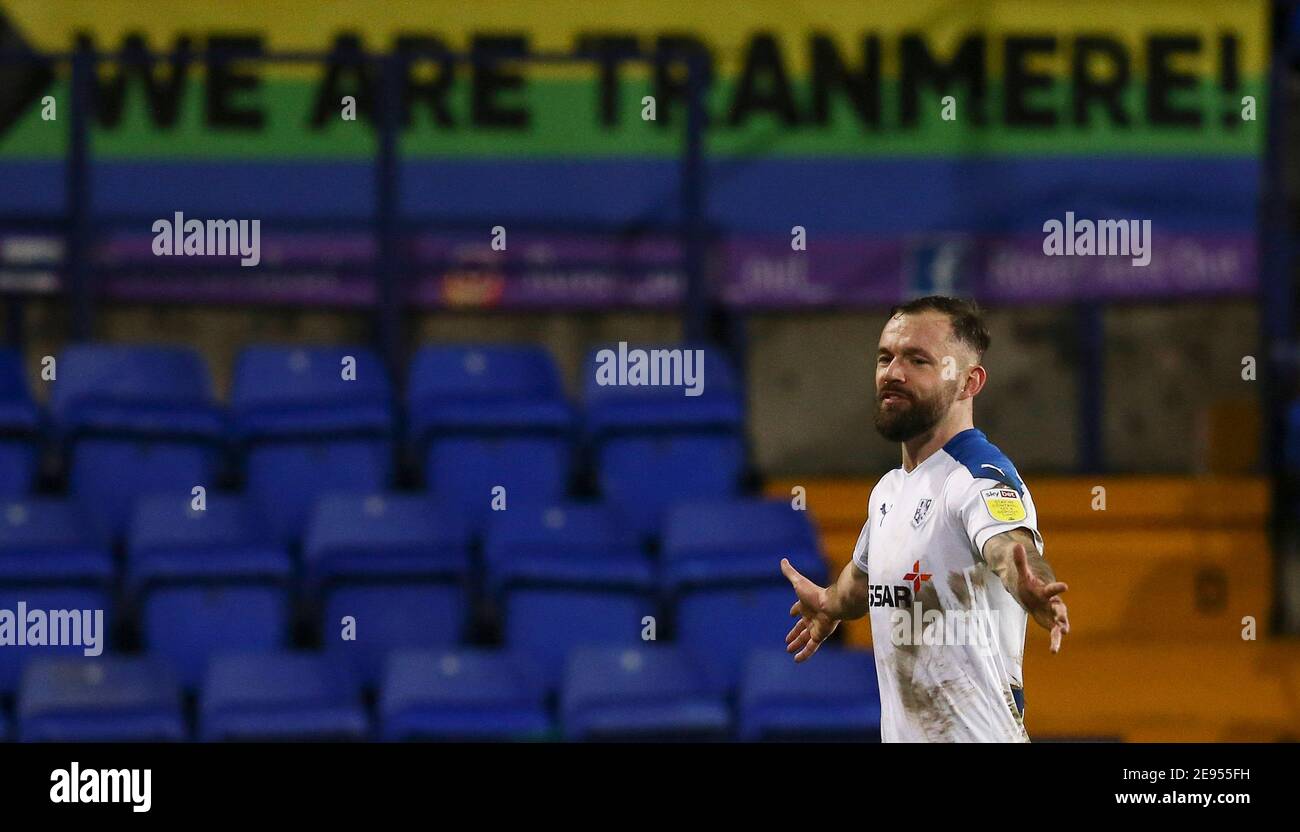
(280,696)
(720,627)
(18,411)
(109,475)
(14,659)
(464,694)
(485,389)
(547,624)
(45,540)
(20,423)
(465,471)
(285,478)
(298,392)
(186,625)
(638,693)
(564,545)
(105,699)
(643,476)
(627,408)
(127,390)
(482,416)
(716,542)
(834,695)
(307,430)
(137,419)
(19,461)
(384,536)
(386,618)
(169,541)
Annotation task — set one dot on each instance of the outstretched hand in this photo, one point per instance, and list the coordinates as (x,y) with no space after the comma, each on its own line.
(815,625)
(1040,599)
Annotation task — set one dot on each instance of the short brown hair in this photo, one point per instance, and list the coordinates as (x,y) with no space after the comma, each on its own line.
(965,316)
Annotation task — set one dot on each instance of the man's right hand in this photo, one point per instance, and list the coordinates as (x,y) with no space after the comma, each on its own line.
(815,624)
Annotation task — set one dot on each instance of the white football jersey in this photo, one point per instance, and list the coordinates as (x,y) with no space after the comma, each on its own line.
(949,638)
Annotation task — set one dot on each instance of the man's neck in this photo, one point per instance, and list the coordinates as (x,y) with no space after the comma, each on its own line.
(920,448)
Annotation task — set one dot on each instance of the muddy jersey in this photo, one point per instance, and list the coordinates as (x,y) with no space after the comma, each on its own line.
(948,637)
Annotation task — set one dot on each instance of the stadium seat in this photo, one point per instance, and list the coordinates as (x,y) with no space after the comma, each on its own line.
(108,475)
(19,461)
(285,478)
(642,476)
(462,694)
(123,390)
(833,696)
(468,471)
(136,419)
(297,392)
(187,625)
(720,627)
(566,545)
(106,699)
(170,541)
(45,540)
(638,693)
(14,659)
(547,624)
(613,409)
(384,618)
(20,424)
(714,542)
(487,416)
(280,696)
(485,389)
(384,536)
(307,429)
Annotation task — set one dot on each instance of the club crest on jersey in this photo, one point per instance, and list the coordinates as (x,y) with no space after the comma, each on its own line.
(922,512)
(1004,504)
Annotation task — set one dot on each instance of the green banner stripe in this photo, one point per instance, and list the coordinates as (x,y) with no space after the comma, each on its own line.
(565,122)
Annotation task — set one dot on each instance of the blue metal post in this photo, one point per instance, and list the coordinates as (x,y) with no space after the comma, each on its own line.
(389,271)
(77,252)
(695,311)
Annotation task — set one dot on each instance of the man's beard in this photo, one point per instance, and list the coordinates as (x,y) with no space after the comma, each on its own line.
(909,422)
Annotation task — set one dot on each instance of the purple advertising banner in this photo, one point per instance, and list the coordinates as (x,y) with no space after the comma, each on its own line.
(558,271)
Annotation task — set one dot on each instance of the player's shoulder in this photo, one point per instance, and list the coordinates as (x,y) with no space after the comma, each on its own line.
(982,460)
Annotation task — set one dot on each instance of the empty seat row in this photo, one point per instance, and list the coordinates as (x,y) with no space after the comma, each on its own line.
(294,391)
(306,420)
(362,622)
(606,694)
(396,570)
(174,537)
